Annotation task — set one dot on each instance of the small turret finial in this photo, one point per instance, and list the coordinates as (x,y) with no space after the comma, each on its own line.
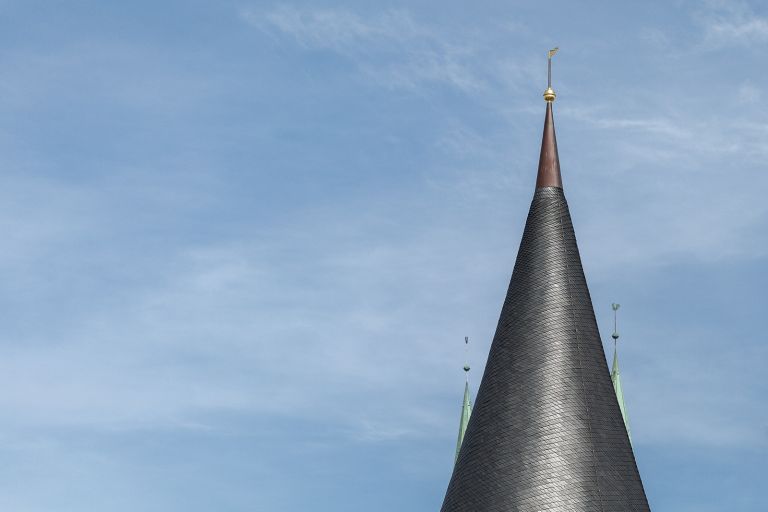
(615,334)
(466,355)
(466,406)
(549,94)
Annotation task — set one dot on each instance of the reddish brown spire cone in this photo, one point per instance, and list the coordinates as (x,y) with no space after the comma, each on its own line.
(549,162)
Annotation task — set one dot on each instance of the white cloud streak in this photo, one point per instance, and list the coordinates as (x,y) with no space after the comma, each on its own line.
(733,23)
(390,48)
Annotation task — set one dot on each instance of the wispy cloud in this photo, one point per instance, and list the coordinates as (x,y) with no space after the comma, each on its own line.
(390,47)
(749,93)
(732,23)
(668,143)
(234,326)
(664,126)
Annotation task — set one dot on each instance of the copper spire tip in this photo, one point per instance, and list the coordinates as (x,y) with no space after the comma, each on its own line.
(549,162)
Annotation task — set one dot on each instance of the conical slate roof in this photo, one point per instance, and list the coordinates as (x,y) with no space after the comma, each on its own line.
(546,432)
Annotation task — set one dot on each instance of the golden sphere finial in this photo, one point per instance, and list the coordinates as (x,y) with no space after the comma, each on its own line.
(549,95)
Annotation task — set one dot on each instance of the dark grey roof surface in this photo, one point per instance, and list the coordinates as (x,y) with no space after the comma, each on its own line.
(546,433)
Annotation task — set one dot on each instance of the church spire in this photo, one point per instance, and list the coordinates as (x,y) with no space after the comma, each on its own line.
(546,431)
(466,406)
(615,375)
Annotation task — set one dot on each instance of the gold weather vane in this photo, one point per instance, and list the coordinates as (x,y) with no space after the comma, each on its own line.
(553,51)
(549,94)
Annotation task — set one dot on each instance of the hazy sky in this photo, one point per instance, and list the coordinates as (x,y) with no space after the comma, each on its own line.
(243,241)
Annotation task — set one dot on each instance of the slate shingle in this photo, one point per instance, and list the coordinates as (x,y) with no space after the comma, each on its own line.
(546,432)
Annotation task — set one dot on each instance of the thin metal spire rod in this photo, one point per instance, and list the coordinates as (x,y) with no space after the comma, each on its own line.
(551,54)
(549,72)
(466,358)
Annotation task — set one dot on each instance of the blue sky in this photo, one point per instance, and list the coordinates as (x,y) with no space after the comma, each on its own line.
(243,241)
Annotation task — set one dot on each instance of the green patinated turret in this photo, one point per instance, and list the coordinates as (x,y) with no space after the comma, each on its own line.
(616,375)
(466,411)
(466,407)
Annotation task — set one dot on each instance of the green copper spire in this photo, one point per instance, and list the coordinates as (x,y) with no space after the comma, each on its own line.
(616,375)
(466,411)
(466,406)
